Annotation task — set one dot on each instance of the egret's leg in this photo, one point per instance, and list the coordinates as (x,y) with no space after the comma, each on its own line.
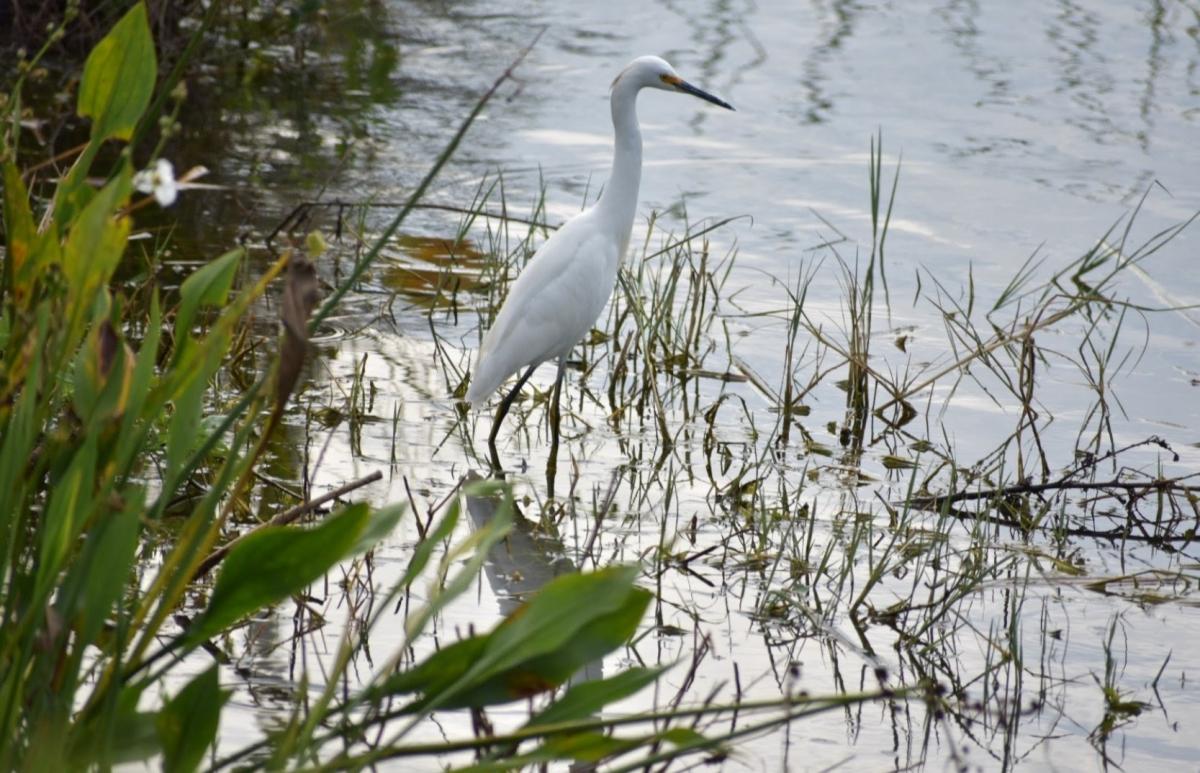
(555,422)
(505,404)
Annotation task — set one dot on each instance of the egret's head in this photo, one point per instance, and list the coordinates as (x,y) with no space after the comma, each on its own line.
(652,72)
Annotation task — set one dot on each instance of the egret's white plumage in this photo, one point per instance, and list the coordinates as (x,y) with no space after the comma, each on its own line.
(551,306)
(559,295)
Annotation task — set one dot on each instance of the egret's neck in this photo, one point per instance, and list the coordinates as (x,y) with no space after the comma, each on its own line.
(618,203)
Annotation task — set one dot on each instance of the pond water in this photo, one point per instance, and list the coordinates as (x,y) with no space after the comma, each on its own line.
(1019,129)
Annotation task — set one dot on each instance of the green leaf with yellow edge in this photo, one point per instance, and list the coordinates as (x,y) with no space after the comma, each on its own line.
(19,231)
(118,77)
(274,563)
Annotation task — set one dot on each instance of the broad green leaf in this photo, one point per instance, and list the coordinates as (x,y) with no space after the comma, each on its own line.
(437,672)
(207,286)
(187,725)
(74,190)
(382,522)
(274,563)
(574,620)
(589,643)
(586,699)
(120,734)
(119,77)
(16,446)
(554,615)
(134,433)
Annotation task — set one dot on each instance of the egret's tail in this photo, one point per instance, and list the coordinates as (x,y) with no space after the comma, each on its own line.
(486,379)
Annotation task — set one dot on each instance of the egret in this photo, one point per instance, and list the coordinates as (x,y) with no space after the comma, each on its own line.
(562,291)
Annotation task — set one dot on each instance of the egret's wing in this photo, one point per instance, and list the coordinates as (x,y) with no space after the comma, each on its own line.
(551,306)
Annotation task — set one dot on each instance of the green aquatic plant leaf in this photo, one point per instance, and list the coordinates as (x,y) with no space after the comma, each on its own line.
(183,431)
(584,747)
(119,77)
(274,563)
(383,521)
(70,501)
(187,724)
(96,581)
(19,231)
(574,620)
(208,285)
(93,250)
(587,698)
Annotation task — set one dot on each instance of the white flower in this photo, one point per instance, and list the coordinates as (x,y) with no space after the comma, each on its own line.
(160,181)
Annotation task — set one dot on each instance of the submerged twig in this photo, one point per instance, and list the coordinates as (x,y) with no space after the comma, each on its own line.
(1173,485)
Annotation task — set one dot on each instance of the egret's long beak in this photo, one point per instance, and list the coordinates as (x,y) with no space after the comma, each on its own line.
(687,88)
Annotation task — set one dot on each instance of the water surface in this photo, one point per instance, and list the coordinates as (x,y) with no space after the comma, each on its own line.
(1019,128)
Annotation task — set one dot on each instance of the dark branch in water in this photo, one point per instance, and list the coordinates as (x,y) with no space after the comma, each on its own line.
(1171,485)
(1128,492)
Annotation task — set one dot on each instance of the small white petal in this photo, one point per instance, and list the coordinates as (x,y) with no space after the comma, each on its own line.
(165,170)
(144,181)
(165,192)
(160,181)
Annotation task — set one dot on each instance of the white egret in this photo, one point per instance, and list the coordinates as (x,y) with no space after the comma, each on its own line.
(560,294)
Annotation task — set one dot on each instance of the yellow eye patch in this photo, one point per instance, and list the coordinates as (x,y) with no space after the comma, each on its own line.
(671,80)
